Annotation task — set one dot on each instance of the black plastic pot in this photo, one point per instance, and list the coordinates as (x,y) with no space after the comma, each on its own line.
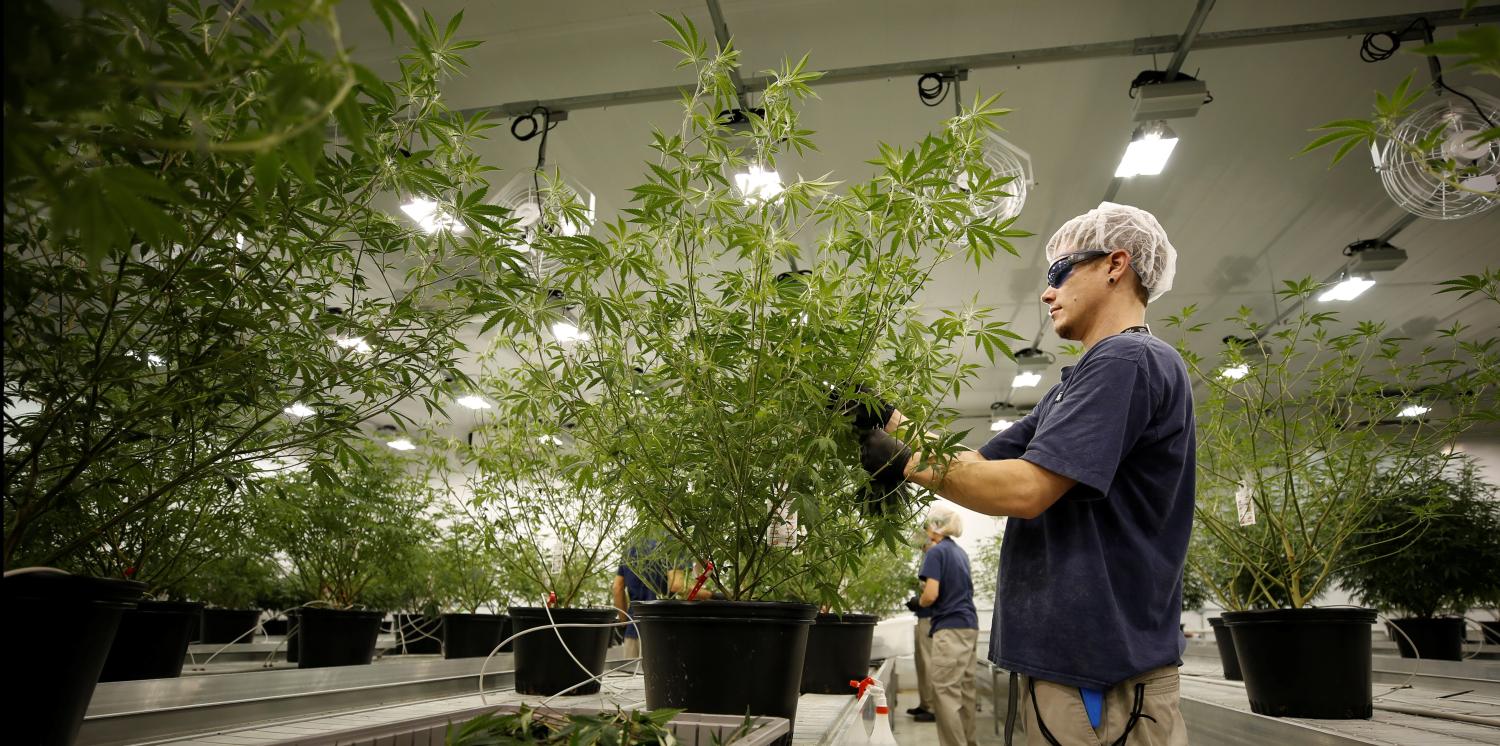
(543,665)
(1491,631)
(1227,657)
(724,657)
(151,641)
(336,637)
(418,634)
(224,626)
(70,624)
(1311,663)
(838,651)
(1435,639)
(276,625)
(475,635)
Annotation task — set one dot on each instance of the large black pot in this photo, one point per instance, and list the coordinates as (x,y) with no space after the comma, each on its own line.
(151,641)
(1311,663)
(1440,638)
(1491,632)
(276,625)
(838,651)
(335,637)
(224,626)
(418,634)
(724,657)
(475,635)
(71,622)
(543,665)
(1227,657)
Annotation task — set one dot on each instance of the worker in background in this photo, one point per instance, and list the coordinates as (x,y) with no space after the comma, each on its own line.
(948,590)
(922,654)
(644,575)
(1099,482)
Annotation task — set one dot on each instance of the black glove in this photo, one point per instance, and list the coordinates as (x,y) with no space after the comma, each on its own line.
(885,458)
(915,604)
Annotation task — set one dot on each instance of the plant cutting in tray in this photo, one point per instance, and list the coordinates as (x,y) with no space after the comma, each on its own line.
(531,726)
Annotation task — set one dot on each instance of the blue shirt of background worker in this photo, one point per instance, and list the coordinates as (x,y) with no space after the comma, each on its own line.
(642,574)
(948,564)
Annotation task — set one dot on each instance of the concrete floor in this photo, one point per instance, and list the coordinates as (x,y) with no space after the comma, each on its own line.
(912,733)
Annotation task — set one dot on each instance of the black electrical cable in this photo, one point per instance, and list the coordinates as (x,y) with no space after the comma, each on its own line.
(932,88)
(542,129)
(1382,45)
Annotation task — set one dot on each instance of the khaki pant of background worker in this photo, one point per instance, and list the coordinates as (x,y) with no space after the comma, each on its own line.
(951,671)
(925,698)
(1068,722)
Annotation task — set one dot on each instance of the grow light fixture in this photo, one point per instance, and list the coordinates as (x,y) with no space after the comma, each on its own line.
(1235,372)
(1000,425)
(299,410)
(1149,149)
(402,444)
(429,216)
(1349,288)
(1026,379)
(1032,362)
(473,402)
(566,331)
(549,440)
(1413,410)
(356,344)
(758,185)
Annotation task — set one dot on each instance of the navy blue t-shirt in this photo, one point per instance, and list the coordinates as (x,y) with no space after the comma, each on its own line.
(948,564)
(1090,592)
(644,575)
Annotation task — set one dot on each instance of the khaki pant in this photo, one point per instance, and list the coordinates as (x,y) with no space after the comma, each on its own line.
(951,671)
(1067,722)
(925,697)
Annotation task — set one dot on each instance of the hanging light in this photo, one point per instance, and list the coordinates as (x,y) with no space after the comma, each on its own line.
(1349,288)
(402,444)
(1032,362)
(1000,424)
(299,410)
(566,332)
(1235,372)
(758,185)
(429,216)
(1413,410)
(473,402)
(1149,149)
(355,344)
(1026,379)
(549,440)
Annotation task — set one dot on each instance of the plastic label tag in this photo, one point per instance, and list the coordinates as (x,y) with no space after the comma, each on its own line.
(1244,502)
(783,531)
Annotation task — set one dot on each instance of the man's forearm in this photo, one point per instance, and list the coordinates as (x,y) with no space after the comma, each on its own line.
(1005,487)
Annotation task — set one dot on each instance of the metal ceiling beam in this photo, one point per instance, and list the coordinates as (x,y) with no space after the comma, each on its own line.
(1121,48)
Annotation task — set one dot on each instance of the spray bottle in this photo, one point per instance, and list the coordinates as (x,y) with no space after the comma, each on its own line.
(880,734)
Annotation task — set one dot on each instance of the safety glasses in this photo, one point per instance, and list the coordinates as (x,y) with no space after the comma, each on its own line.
(1058,273)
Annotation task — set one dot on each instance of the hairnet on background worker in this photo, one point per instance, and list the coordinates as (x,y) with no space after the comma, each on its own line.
(946,521)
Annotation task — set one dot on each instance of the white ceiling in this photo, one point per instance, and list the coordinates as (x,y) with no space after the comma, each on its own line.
(1243,213)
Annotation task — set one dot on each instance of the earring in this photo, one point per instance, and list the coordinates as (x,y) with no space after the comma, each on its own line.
(1111,280)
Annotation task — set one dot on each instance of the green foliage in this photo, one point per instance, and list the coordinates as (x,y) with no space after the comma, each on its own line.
(187,191)
(702,390)
(1447,528)
(985,568)
(529,726)
(470,572)
(344,532)
(1313,440)
(549,522)
(241,575)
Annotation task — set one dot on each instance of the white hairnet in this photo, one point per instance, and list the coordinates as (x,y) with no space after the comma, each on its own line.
(1121,227)
(946,521)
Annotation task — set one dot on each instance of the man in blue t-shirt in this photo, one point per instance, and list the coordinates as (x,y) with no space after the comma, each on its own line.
(1098,481)
(948,590)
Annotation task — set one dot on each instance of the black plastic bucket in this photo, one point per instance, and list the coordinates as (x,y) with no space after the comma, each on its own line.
(224,626)
(838,651)
(417,634)
(1311,663)
(336,637)
(151,641)
(276,625)
(543,666)
(724,657)
(1227,657)
(292,644)
(1491,632)
(475,635)
(1435,639)
(71,622)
